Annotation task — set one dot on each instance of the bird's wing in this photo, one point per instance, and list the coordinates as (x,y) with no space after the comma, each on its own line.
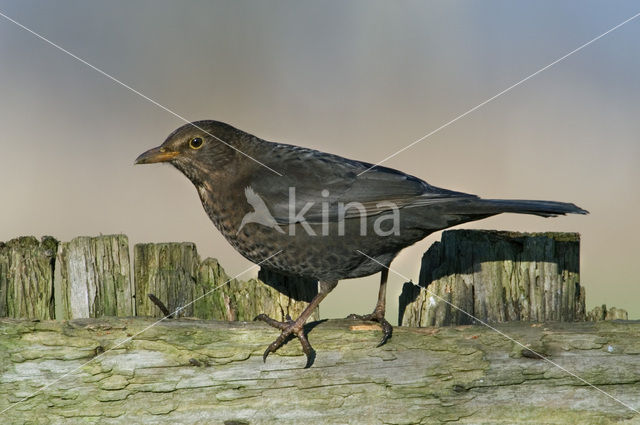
(319,184)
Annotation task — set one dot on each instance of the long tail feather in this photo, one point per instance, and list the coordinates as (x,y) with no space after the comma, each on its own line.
(496,206)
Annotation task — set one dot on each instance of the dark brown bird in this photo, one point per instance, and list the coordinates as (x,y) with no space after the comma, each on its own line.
(317,215)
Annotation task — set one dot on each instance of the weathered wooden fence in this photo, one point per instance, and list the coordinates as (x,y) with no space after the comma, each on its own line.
(112,370)
(91,277)
(494,276)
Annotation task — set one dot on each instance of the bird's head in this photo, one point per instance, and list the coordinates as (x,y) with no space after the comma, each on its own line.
(199,149)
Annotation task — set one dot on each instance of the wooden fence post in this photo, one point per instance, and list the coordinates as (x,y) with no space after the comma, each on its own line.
(93,278)
(497,277)
(26,277)
(167,270)
(242,300)
(174,274)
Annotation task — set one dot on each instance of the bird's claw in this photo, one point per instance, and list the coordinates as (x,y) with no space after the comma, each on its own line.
(274,323)
(376,316)
(288,327)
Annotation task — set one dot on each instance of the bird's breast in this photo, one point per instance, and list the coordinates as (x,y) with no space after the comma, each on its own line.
(225,213)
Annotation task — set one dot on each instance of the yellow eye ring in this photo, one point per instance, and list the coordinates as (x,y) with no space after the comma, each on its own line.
(196,143)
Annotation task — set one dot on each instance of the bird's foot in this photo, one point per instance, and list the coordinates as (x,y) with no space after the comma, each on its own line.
(288,328)
(376,316)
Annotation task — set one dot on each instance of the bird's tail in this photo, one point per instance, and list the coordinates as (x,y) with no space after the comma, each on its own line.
(487,207)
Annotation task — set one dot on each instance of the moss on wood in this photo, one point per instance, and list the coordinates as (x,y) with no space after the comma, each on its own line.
(26,277)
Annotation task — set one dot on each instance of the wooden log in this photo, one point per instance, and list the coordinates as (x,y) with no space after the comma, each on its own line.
(497,277)
(174,274)
(93,278)
(197,372)
(26,277)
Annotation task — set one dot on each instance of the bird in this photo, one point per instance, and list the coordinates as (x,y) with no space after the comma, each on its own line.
(317,215)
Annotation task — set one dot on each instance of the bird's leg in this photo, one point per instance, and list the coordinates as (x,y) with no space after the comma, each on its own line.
(296,327)
(378,311)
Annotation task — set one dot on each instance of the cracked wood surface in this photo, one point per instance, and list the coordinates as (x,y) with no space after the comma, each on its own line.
(204,372)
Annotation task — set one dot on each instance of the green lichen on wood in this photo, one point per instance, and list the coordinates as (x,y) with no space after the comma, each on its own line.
(26,277)
(174,273)
(167,270)
(93,277)
(233,299)
(193,371)
(4,279)
(90,277)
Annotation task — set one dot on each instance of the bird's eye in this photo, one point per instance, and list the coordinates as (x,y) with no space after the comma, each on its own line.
(195,143)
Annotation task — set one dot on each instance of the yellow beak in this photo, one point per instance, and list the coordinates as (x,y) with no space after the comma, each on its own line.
(158,154)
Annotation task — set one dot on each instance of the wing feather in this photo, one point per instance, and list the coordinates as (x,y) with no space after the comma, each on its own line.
(322,182)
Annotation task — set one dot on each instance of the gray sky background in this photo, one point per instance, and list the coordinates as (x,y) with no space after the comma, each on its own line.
(360,79)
